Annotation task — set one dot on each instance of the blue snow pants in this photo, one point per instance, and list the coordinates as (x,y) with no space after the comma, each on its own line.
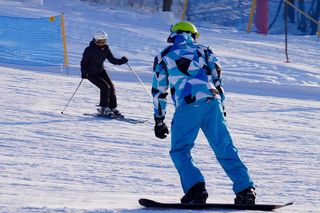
(186,122)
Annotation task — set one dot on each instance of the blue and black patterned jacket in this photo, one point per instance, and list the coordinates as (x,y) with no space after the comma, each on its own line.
(190,70)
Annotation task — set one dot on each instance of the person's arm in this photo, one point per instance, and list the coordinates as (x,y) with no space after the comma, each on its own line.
(216,72)
(85,63)
(160,84)
(112,59)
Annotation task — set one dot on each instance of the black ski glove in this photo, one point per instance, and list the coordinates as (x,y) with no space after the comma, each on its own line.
(124,60)
(160,129)
(84,75)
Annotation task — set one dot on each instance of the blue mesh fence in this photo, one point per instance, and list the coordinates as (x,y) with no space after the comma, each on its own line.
(31,41)
(297,23)
(219,13)
(235,14)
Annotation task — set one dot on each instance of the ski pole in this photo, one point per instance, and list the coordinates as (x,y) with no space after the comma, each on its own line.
(71,97)
(135,74)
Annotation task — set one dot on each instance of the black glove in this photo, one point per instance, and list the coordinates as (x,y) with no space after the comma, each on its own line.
(84,75)
(160,129)
(124,60)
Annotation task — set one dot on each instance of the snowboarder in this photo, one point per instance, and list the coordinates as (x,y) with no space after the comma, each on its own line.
(193,74)
(92,69)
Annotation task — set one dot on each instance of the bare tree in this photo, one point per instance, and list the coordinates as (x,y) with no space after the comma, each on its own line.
(167,5)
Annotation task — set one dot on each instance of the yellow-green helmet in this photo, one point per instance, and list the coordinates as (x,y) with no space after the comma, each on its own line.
(185,26)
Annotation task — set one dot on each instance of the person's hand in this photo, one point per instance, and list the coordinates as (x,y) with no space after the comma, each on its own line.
(84,75)
(160,129)
(124,60)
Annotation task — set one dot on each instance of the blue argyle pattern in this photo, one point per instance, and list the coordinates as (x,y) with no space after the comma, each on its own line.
(190,70)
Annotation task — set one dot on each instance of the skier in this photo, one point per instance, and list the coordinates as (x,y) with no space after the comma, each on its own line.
(193,74)
(92,69)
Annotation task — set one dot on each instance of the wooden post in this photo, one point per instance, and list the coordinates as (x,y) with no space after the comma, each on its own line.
(286,30)
(185,6)
(166,5)
(318,33)
(253,7)
(64,41)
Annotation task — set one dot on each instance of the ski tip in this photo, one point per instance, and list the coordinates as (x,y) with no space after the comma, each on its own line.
(289,204)
(142,200)
(145,202)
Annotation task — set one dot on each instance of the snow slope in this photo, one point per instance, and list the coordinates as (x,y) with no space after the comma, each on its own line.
(73,163)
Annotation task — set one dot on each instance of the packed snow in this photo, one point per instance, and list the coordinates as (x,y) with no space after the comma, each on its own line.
(75,163)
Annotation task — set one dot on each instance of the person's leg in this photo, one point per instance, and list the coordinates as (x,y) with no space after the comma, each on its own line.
(111,92)
(184,130)
(216,131)
(104,89)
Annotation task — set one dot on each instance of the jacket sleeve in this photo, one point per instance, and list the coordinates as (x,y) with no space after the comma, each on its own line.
(216,71)
(85,62)
(160,85)
(110,57)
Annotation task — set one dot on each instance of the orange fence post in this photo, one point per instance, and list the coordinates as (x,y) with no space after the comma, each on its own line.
(253,7)
(64,41)
(185,5)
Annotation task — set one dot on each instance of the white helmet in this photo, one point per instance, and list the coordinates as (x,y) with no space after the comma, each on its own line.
(100,35)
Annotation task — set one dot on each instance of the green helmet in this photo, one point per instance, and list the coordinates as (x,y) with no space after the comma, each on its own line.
(185,26)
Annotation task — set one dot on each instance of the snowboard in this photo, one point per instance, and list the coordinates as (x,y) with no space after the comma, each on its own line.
(125,119)
(210,206)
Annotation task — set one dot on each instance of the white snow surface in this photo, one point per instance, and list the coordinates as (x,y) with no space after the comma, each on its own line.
(74,163)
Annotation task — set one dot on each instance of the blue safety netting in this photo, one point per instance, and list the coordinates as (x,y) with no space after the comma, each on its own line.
(31,41)
(219,13)
(297,23)
(235,14)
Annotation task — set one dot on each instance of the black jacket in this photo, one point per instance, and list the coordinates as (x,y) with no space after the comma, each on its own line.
(93,58)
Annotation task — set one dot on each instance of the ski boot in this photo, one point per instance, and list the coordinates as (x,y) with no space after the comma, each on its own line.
(116,113)
(247,196)
(105,111)
(196,194)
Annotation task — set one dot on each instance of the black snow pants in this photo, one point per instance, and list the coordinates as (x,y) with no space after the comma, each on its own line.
(107,91)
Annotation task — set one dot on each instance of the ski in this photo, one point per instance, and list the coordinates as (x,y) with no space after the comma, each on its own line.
(210,206)
(125,119)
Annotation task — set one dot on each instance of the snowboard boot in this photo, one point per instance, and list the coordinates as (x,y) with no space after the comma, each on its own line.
(116,113)
(105,111)
(247,196)
(196,194)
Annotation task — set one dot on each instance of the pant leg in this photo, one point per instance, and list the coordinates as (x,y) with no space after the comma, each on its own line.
(104,89)
(112,91)
(216,131)
(184,130)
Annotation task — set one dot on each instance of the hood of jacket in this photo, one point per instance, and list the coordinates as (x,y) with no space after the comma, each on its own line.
(180,38)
